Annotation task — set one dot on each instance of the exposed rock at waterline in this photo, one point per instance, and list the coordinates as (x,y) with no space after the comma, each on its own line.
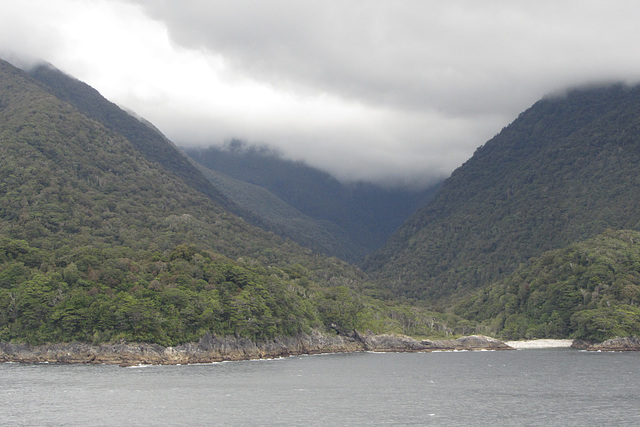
(582,344)
(615,344)
(481,342)
(216,349)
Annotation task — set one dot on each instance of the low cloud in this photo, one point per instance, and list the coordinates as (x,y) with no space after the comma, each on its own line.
(397,92)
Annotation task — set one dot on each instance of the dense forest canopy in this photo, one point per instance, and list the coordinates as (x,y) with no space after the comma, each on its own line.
(565,170)
(588,290)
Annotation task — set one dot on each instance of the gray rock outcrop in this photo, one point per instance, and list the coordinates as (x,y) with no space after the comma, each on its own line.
(615,344)
(211,348)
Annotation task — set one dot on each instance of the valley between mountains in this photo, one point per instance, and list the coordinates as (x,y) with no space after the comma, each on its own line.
(112,234)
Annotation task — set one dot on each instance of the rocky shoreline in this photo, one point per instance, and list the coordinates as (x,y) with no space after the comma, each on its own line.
(615,344)
(211,349)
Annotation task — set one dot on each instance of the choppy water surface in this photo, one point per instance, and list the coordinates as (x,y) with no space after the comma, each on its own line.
(526,387)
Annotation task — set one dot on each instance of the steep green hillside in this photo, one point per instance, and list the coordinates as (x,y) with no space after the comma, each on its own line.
(65,177)
(565,170)
(97,243)
(149,141)
(588,290)
(366,214)
(285,220)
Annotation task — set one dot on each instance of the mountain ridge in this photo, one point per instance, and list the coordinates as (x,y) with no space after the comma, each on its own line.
(144,137)
(321,233)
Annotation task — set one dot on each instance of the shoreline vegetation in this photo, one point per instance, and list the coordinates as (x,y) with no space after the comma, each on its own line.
(211,349)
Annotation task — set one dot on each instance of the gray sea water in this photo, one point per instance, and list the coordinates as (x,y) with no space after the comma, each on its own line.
(526,387)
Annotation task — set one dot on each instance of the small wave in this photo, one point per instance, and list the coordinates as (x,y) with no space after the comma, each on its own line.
(268,359)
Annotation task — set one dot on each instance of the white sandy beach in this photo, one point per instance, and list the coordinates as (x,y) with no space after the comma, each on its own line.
(539,344)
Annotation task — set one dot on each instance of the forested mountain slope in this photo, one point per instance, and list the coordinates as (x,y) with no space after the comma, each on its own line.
(97,244)
(149,141)
(283,219)
(358,217)
(65,175)
(588,290)
(565,170)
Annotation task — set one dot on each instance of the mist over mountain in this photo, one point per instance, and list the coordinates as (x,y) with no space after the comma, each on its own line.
(359,217)
(331,218)
(565,170)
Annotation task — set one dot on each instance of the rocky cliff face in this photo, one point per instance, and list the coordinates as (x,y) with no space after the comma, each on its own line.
(216,349)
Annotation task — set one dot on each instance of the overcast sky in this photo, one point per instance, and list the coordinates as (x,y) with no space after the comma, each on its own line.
(394,91)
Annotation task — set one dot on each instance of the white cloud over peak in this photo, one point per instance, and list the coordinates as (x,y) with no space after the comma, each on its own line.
(394,91)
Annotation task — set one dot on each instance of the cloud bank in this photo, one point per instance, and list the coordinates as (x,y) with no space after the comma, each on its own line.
(389,91)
